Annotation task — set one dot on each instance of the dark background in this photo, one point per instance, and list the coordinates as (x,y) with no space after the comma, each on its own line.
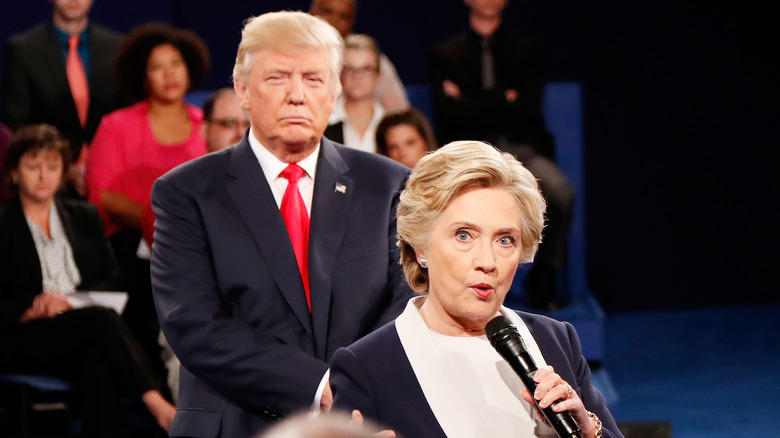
(680,112)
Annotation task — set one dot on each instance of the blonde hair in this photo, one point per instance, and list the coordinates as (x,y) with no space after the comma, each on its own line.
(443,175)
(362,41)
(289,30)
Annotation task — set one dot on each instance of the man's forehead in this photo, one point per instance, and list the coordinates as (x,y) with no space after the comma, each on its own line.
(308,58)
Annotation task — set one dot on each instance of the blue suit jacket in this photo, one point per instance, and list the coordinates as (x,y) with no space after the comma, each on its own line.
(374,376)
(229,294)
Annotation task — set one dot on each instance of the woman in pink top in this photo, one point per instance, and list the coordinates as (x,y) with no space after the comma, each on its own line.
(136,145)
(157,64)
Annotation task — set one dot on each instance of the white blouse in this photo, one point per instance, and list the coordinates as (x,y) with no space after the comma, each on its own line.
(470,388)
(58,267)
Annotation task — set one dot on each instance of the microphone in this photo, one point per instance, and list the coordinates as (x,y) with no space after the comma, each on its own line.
(506,340)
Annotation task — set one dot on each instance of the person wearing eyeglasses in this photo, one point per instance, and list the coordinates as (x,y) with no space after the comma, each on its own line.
(224,123)
(357,112)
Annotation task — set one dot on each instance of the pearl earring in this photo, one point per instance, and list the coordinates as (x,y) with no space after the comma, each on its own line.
(424,263)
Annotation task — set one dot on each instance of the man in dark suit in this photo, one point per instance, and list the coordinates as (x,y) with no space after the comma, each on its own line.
(255,308)
(487,85)
(36,87)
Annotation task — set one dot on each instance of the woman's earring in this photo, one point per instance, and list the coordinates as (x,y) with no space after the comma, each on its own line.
(424,263)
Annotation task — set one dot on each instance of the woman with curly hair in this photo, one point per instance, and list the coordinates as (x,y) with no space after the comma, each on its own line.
(157,64)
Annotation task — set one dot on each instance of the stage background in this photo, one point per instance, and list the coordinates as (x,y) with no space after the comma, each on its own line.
(681,124)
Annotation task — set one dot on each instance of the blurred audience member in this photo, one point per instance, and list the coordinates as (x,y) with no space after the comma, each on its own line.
(48,248)
(341,14)
(61,72)
(6,193)
(357,112)
(224,122)
(334,425)
(405,136)
(135,145)
(487,85)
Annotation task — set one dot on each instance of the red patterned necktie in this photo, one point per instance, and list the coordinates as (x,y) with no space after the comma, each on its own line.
(297,220)
(77,78)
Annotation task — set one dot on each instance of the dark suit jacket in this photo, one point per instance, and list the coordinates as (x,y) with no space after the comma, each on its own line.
(374,375)
(229,294)
(36,89)
(20,268)
(486,115)
(335,132)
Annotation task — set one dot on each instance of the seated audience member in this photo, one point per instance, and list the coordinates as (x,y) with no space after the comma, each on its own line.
(6,193)
(224,122)
(61,72)
(51,246)
(357,112)
(341,14)
(135,145)
(468,216)
(487,85)
(405,136)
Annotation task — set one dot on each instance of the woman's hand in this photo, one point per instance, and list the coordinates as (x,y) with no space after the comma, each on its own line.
(551,388)
(46,305)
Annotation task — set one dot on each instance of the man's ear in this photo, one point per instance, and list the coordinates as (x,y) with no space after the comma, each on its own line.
(240,88)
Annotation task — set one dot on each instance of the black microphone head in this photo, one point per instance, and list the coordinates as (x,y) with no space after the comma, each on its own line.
(495,325)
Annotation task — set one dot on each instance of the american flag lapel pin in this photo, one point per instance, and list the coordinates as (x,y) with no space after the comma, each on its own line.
(341,188)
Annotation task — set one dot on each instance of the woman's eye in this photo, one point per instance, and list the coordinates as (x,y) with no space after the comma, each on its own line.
(506,241)
(462,235)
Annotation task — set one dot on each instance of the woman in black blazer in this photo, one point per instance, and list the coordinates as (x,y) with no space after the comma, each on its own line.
(48,247)
(468,216)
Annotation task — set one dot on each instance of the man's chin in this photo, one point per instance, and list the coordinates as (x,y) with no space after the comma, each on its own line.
(299,136)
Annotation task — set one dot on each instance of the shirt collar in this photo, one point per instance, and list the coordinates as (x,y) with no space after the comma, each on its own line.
(273,166)
(63,36)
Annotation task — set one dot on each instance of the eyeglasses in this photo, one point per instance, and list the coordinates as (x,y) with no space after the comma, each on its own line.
(231,123)
(364,71)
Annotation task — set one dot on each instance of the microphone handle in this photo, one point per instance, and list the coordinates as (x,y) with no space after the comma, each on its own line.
(562,422)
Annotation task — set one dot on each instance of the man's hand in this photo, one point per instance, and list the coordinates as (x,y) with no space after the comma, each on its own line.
(326,402)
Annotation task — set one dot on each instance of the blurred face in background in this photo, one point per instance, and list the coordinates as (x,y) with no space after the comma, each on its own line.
(360,75)
(227,123)
(167,76)
(405,144)
(71,10)
(338,13)
(38,175)
(487,8)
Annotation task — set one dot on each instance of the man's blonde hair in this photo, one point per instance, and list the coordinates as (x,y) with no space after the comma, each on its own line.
(289,31)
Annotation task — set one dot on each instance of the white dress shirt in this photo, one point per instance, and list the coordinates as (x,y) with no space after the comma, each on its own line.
(366,142)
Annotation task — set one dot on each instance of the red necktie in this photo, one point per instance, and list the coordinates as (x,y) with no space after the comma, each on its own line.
(297,220)
(77,78)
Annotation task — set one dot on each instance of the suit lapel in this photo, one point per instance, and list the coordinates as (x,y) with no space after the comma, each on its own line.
(24,240)
(255,203)
(333,194)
